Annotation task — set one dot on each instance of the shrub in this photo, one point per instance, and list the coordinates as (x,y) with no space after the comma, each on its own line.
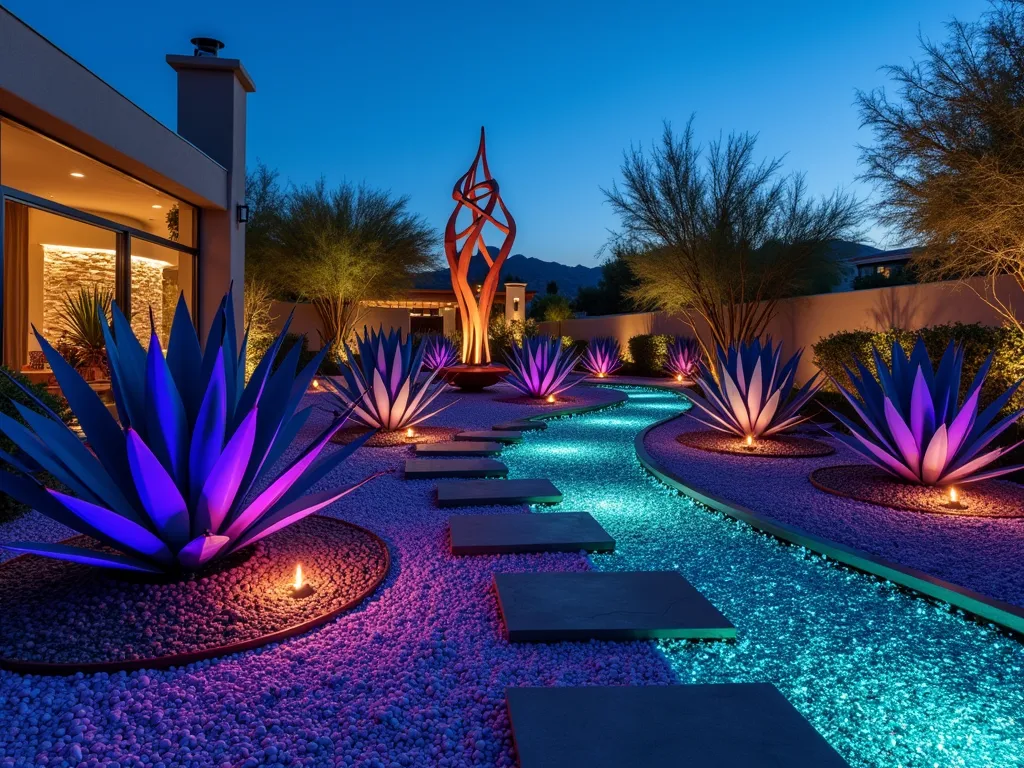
(187,476)
(16,388)
(648,353)
(504,334)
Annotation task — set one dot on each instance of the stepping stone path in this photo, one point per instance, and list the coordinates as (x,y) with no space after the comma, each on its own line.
(483,448)
(520,426)
(599,605)
(427,469)
(508,534)
(487,434)
(475,493)
(747,725)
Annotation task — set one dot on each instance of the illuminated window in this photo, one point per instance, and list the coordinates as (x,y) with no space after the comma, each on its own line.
(515,304)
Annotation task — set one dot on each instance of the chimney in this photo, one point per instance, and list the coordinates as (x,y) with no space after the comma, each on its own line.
(212,94)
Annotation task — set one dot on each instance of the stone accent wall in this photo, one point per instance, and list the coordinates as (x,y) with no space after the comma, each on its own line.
(66,270)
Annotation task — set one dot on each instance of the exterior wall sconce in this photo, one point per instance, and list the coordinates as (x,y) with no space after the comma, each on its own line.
(515,305)
(243,213)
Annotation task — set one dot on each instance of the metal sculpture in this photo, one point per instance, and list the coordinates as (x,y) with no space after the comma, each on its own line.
(191,472)
(911,426)
(482,200)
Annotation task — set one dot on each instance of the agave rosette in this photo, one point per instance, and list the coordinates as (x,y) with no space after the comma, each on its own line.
(682,358)
(540,366)
(186,477)
(912,426)
(603,357)
(439,352)
(750,392)
(382,387)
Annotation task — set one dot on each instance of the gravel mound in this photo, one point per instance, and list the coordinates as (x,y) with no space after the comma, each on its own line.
(65,613)
(779,447)
(396,439)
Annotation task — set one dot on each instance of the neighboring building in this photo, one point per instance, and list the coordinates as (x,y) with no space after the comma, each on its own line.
(96,192)
(886,263)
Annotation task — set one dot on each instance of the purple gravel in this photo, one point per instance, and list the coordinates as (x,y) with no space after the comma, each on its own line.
(415,677)
(981,554)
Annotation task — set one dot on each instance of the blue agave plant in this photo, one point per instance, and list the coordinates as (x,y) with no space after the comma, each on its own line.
(539,366)
(911,425)
(185,478)
(381,387)
(682,357)
(602,357)
(439,352)
(749,394)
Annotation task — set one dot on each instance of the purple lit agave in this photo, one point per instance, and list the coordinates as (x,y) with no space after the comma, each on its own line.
(540,366)
(750,394)
(439,352)
(682,358)
(912,426)
(602,357)
(185,478)
(381,388)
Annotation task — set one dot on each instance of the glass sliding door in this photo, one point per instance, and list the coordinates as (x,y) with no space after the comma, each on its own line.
(159,275)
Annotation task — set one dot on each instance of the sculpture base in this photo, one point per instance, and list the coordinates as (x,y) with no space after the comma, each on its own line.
(474,378)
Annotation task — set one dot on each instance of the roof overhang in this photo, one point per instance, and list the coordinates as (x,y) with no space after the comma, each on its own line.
(44,88)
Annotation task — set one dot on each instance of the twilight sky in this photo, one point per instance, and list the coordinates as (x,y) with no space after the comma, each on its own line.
(394,93)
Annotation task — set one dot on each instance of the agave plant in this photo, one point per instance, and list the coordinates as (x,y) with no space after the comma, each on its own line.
(439,352)
(750,392)
(187,476)
(82,318)
(602,357)
(381,387)
(682,358)
(539,366)
(911,425)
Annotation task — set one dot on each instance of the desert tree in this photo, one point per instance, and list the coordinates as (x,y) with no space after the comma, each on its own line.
(339,247)
(948,152)
(715,235)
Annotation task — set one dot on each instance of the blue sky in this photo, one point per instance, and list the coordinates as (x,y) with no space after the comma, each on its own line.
(394,93)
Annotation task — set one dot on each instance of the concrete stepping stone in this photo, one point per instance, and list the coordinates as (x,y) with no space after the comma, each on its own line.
(428,469)
(744,725)
(520,426)
(596,605)
(508,534)
(475,493)
(489,434)
(481,448)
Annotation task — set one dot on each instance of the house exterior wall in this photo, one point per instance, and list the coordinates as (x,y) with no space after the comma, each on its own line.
(800,322)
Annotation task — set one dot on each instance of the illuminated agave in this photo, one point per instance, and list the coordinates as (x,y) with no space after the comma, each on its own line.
(683,357)
(381,387)
(439,352)
(185,478)
(602,357)
(750,394)
(911,425)
(539,366)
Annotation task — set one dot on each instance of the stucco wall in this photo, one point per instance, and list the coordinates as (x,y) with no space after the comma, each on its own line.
(802,321)
(306,320)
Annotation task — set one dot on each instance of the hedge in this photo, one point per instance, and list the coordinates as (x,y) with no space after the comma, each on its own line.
(647,353)
(1007,344)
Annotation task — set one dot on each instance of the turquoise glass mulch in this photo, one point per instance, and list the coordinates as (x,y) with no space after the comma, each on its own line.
(888,678)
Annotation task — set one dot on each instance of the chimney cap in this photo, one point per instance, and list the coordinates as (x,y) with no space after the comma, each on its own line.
(206,46)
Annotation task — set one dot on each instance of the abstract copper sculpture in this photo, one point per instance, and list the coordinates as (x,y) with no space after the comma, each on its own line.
(481,199)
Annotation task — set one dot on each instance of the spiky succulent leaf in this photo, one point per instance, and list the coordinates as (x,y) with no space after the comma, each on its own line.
(682,358)
(439,352)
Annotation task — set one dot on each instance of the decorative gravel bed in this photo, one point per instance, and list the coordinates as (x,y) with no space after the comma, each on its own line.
(561,401)
(862,482)
(779,447)
(397,438)
(980,553)
(56,612)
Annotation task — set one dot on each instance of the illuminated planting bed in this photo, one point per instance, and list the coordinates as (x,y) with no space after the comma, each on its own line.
(888,678)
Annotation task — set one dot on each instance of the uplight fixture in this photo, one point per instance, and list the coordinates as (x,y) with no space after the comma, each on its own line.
(749,443)
(300,587)
(551,398)
(954,499)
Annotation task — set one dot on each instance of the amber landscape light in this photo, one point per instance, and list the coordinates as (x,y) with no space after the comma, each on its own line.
(300,587)
(551,398)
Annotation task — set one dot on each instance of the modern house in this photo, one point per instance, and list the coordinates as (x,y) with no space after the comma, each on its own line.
(886,263)
(97,193)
